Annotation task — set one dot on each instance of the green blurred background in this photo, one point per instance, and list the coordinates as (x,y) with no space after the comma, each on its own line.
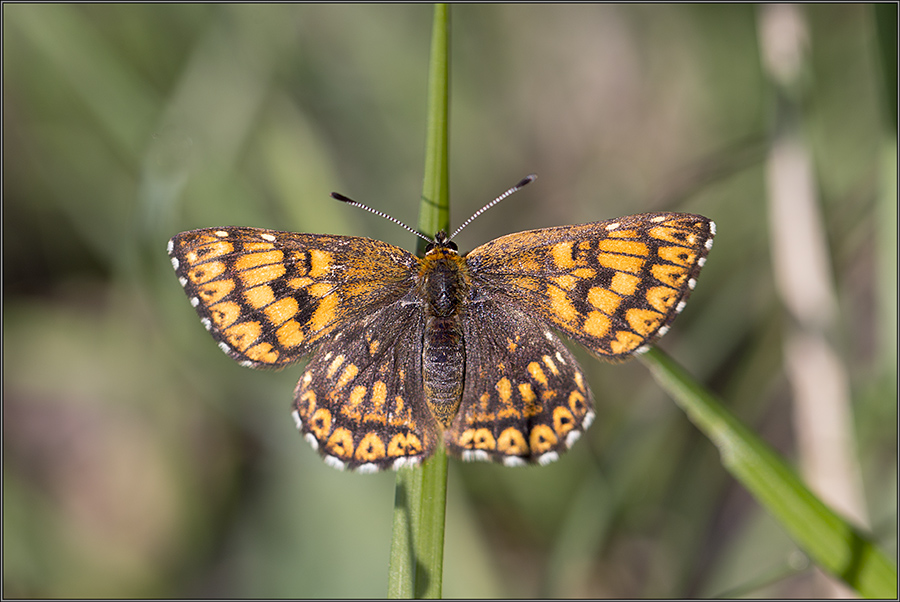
(139,461)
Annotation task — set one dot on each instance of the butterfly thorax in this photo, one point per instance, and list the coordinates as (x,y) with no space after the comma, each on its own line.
(444,282)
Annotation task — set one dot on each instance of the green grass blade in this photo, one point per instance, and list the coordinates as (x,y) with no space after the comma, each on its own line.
(417,546)
(829,540)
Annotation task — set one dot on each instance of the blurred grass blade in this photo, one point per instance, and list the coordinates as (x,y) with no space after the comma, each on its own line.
(829,540)
(417,545)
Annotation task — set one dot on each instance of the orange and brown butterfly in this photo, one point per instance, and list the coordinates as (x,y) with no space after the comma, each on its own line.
(409,353)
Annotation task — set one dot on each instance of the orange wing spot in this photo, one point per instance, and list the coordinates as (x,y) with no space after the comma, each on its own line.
(262,275)
(512,443)
(210,251)
(224,314)
(263,353)
(566,281)
(604,300)
(340,443)
(504,389)
(625,284)
(551,365)
(334,365)
(373,347)
(678,236)
(562,255)
(299,282)
(214,291)
(321,289)
(255,260)
(626,247)
(526,393)
(242,335)
(560,305)
(643,321)
(259,296)
(371,448)
(282,310)
(534,369)
(258,246)
(584,273)
(679,255)
(624,234)
(379,393)
(563,420)
(289,334)
(511,345)
(404,444)
(347,376)
(596,324)
(542,439)
(477,439)
(662,298)
(577,403)
(320,423)
(356,396)
(673,275)
(206,272)
(319,263)
(622,263)
(306,403)
(324,314)
(579,380)
(625,342)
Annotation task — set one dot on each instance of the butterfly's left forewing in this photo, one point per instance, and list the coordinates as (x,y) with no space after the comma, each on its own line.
(614,286)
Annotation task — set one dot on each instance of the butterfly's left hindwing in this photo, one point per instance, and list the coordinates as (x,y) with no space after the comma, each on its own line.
(525,397)
(268,297)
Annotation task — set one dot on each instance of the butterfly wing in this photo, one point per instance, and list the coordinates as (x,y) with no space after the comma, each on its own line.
(525,397)
(360,401)
(268,297)
(614,286)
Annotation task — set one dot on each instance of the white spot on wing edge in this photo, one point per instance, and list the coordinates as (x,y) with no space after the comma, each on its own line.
(297,420)
(663,330)
(681,305)
(475,455)
(170,246)
(195,301)
(588,420)
(712,230)
(545,459)
(221,233)
(269,237)
(701,262)
(642,349)
(406,461)
(182,281)
(335,463)
(224,347)
(613,225)
(206,323)
(513,461)
(658,218)
(312,440)
(572,437)
(175,263)
(367,468)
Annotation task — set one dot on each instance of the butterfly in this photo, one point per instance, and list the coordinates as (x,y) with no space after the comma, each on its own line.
(408,353)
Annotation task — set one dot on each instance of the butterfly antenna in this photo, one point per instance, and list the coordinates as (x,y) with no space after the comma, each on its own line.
(349,201)
(522,182)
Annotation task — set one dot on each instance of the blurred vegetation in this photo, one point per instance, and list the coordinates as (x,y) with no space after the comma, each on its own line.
(139,461)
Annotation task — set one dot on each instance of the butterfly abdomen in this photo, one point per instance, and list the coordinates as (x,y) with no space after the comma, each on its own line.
(444,286)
